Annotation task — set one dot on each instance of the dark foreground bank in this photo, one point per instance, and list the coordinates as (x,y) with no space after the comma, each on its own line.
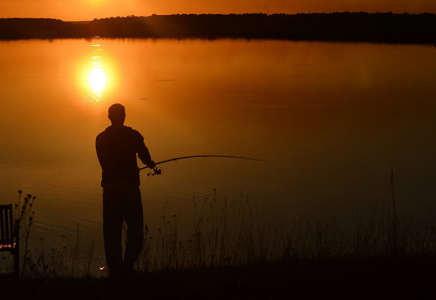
(381,278)
(344,27)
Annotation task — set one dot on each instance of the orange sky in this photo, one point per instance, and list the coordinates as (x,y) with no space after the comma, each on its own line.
(78,10)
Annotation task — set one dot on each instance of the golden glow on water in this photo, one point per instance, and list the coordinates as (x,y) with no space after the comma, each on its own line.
(337,115)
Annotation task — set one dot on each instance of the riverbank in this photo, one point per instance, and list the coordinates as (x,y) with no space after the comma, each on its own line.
(338,27)
(377,278)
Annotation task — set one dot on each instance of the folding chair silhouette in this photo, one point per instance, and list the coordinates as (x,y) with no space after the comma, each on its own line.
(9,239)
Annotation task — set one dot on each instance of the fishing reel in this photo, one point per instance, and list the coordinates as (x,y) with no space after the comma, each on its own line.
(156,171)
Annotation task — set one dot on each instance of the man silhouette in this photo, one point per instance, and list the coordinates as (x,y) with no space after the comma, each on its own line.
(117,148)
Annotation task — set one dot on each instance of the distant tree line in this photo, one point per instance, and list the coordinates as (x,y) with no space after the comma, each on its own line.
(353,27)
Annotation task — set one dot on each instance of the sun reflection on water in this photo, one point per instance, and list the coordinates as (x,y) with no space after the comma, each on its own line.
(97,77)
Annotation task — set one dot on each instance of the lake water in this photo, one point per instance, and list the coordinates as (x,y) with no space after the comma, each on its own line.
(333,119)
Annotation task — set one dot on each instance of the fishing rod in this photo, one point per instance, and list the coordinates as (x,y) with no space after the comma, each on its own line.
(158,171)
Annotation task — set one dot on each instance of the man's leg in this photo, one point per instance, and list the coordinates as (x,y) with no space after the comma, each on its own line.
(112,229)
(135,224)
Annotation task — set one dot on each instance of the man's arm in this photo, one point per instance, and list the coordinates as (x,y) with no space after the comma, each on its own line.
(144,154)
(98,148)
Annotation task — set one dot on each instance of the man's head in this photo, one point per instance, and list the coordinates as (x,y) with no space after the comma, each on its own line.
(117,114)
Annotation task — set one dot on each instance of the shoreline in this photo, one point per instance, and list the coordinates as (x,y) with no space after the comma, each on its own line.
(332,27)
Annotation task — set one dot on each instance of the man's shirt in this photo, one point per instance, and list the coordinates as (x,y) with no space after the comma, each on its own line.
(117,148)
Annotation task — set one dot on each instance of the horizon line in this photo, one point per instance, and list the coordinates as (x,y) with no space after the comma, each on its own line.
(229,14)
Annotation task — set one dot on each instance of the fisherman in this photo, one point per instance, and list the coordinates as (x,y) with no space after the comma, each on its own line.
(117,148)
